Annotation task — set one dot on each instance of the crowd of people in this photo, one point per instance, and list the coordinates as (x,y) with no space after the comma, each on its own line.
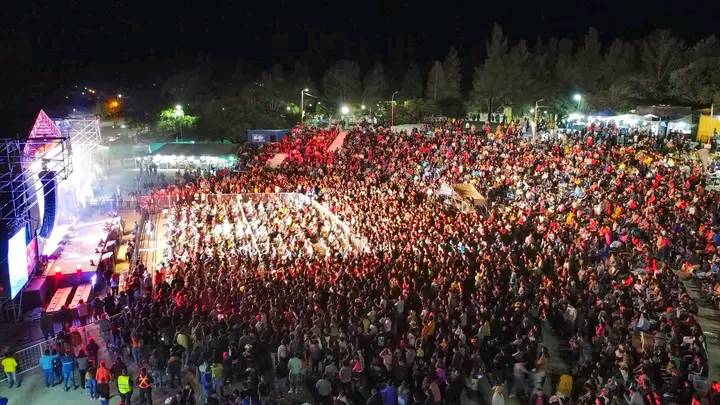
(579,240)
(286,226)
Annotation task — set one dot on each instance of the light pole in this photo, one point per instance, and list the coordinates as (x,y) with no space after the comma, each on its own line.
(302,106)
(392,108)
(537,106)
(578,98)
(179,113)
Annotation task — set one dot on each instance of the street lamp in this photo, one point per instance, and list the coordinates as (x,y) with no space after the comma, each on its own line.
(577,97)
(179,113)
(344,110)
(392,108)
(302,106)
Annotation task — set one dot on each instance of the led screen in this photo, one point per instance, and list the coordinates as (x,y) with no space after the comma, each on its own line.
(17,262)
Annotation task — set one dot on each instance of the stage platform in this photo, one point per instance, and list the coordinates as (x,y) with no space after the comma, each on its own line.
(74,254)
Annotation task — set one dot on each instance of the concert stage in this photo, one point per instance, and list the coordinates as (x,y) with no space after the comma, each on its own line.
(73,257)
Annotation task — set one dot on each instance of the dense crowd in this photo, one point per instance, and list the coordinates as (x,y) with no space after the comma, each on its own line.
(580,238)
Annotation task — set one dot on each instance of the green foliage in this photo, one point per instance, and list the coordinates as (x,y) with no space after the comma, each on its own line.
(414,111)
(451,75)
(172,120)
(661,53)
(697,83)
(435,82)
(660,68)
(342,81)
(504,76)
(451,107)
(374,85)
(411,86)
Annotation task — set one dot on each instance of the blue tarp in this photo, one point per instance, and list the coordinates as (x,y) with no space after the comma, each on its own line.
(265,135)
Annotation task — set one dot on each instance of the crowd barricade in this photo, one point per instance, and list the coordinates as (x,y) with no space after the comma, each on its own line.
(357,243)
(28,358)
(156,204)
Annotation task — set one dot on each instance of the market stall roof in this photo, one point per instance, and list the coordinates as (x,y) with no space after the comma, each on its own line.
(198,149)
(664,111)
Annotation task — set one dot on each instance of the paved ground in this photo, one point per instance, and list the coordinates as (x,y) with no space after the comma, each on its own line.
(709,321)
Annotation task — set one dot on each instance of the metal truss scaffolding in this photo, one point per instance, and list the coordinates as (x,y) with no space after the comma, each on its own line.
(84,133)
(51,146)
(46,149)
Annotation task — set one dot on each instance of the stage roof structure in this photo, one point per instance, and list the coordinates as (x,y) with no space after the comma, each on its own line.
(50,146)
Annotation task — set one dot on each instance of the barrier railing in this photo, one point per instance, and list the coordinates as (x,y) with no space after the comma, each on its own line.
(156,204)
(28,358)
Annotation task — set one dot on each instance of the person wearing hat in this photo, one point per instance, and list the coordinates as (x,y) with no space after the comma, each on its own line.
(125,386)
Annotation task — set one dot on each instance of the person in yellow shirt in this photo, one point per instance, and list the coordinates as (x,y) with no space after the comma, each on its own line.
(9,365)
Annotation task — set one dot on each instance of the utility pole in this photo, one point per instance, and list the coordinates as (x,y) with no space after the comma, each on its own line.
(537,105)
(392,108)
(302,106)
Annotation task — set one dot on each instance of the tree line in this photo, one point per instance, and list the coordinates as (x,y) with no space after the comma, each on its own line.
(617,74)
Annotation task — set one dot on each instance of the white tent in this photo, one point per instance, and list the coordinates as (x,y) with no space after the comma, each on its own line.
(628,120)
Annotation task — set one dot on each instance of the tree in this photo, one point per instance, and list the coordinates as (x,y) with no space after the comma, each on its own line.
(697,83)
(451,107)
(187,86)
(374,85)
(411,87)
(451,74)
(620,60)
(587,69)
(414,111)
(342,81)
(435,82)
(143,108)
(489,81)
(175,119)
(518,75)
(661,54)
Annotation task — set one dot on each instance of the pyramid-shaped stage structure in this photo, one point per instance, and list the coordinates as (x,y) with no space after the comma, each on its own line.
(44,128)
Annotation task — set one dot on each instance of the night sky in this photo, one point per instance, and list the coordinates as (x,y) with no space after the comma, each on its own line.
(117,31)
(116,43)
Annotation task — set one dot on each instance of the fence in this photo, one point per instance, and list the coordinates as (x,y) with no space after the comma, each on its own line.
(28,358)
